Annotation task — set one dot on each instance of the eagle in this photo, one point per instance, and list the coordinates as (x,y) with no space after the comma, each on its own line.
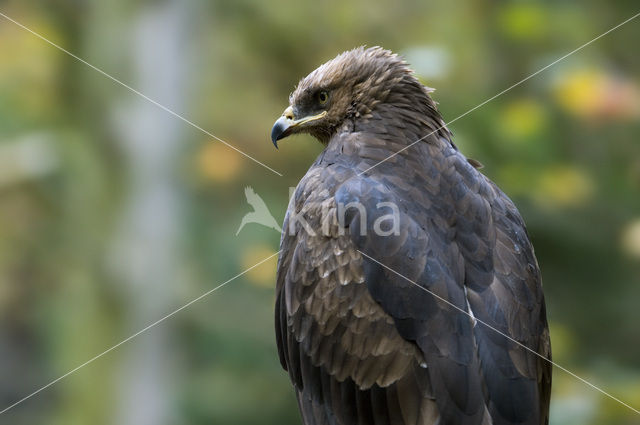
(407,291)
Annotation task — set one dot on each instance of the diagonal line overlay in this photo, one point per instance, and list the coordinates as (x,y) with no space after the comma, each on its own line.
(577,49)
(174,312)
(276,172)
(501,333)
(147,98)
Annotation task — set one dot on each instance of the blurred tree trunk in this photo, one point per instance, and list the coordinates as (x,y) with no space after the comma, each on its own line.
(146,257)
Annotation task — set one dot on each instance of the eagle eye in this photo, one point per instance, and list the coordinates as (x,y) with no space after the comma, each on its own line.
(322,97)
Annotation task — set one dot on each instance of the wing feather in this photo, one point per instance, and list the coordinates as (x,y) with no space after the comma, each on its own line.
(364,345)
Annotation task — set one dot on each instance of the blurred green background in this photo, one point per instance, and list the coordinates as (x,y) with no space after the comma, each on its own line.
(114,213)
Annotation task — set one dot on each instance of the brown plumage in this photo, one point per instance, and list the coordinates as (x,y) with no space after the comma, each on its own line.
(362,345)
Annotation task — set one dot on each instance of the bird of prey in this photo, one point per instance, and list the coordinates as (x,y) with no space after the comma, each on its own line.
(260,213)
(436,316)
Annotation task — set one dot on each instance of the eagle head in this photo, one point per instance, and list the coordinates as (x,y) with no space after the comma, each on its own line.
(346,89)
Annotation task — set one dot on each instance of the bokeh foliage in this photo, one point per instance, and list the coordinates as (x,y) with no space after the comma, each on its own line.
(564,145)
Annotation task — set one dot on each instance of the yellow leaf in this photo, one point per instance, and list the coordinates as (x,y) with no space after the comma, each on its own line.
(564,186)
(579,93)
(594,94)
(522,118)
(218,162)
(263,275)
(523,21)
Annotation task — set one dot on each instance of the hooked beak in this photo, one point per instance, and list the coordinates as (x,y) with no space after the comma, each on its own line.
(285,125)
